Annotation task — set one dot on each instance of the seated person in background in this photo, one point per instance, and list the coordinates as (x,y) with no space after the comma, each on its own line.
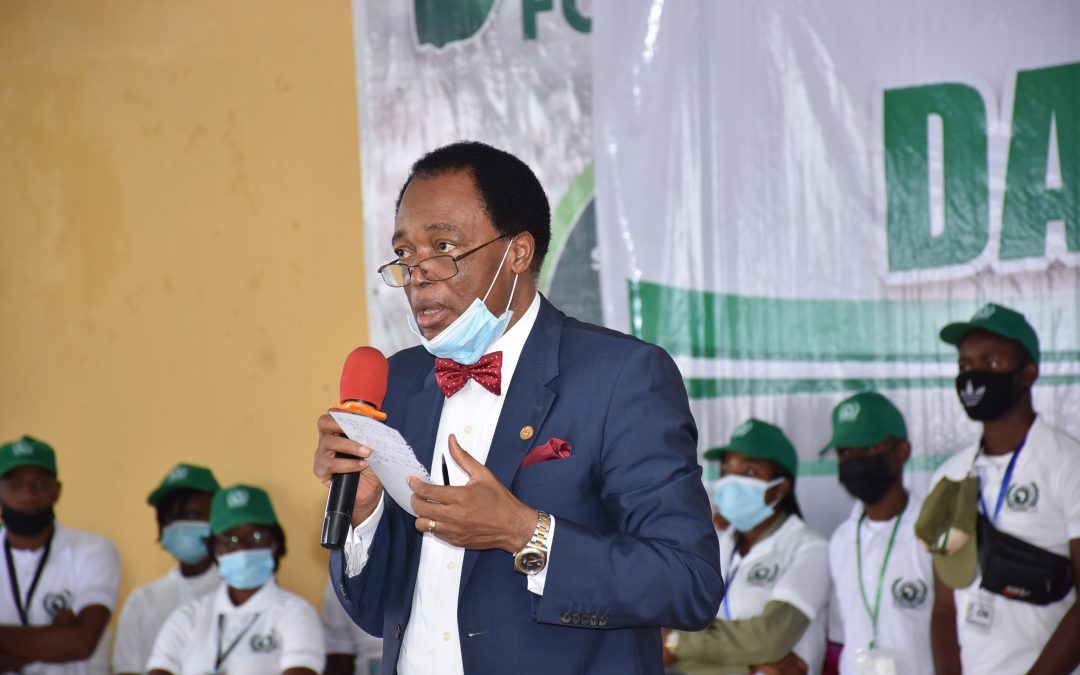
(349,650)
(249,625)
(182,503)
(59,585)
(883,583)
(772,618)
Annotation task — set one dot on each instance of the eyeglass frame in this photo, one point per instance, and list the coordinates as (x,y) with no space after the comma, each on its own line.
(453,258)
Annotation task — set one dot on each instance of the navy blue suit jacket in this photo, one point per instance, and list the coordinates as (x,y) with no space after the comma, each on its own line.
(634,548)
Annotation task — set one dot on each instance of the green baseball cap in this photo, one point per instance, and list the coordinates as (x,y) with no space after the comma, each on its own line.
(190,476)
(863,420)
(27,451)
(1000,321)
(760,440)
(946,526)
(240,505)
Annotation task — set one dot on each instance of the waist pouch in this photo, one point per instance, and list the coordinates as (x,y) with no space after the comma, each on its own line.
(1018,570)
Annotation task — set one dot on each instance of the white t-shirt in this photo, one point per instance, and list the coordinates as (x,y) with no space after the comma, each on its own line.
(345,637)
(273,631)
(1042,507)
(147,608)
(907,592)
(791,566)
(82,570)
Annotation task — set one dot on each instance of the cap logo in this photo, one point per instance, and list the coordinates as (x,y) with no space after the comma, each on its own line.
(22,449)
(984,313)
(970,396)
(742,429)
(848,412)
(179,473)
(237,499)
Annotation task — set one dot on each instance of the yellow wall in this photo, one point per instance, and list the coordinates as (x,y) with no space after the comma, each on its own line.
(180,230)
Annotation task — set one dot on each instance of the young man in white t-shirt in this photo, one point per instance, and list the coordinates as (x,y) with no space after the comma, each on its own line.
(58,585)
(881,574)
(1029,487)
(182,505)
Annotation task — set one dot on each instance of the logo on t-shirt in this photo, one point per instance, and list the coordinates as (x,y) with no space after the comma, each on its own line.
(54,603)
(909,593)
(1022,496)
(264,643)
(763,574)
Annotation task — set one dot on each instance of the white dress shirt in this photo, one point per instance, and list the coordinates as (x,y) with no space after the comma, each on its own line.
(431,643)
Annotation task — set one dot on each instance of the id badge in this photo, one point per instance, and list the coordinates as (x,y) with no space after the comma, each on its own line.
(980,613)
(875,661)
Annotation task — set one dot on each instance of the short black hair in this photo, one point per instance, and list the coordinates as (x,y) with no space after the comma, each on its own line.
(512,195)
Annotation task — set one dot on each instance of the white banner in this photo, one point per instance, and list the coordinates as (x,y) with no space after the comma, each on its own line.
(512,73)
(794,197)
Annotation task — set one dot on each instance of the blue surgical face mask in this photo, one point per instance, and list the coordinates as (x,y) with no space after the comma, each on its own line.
(470,335)
(247,569)
(741,501)
(186,540)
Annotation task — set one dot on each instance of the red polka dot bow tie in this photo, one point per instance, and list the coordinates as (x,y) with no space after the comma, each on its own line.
(452,376)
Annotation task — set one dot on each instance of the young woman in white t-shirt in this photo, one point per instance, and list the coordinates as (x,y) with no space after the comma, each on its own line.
(775,568)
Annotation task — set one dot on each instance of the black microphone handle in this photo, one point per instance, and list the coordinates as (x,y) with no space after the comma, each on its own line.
(339,506)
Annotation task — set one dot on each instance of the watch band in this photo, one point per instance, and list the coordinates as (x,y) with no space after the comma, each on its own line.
(532,558)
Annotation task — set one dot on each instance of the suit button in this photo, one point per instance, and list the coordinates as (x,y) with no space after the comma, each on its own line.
(565,618)
(593,620)
(577,618)
(603,621)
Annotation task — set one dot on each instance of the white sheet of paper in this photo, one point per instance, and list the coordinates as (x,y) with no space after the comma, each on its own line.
(392,460)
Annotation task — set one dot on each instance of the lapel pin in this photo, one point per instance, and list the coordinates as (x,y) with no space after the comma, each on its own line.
(526,432)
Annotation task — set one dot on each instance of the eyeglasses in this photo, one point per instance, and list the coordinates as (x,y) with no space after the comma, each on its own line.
(436,268)
(256,539)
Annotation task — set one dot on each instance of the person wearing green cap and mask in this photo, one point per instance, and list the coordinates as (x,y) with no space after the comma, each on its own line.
(776,569)
(59,585)
(250,625)
(1017,611)
(182,505)
(881,576)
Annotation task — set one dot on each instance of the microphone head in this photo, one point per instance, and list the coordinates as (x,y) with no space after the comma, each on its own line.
(364,375)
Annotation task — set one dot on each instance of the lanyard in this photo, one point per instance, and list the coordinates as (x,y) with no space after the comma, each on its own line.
(730,578)
(881,575)
(24,609)
(1006,479)
(220,659)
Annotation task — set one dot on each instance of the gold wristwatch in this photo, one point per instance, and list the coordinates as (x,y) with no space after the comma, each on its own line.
(533,558)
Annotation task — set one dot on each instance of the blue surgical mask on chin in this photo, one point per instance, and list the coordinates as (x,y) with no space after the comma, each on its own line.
(741,501)
(186,540)
(470,335)
(247,569)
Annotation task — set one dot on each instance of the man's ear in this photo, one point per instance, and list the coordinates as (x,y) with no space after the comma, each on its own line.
(1029,373)
(521,252)
(903,451)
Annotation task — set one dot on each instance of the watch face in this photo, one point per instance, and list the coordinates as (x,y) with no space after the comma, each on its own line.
(532,562)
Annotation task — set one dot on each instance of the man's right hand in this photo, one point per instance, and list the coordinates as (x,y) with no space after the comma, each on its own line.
(327,463)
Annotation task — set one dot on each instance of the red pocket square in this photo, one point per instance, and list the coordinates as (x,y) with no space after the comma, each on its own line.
(556,448)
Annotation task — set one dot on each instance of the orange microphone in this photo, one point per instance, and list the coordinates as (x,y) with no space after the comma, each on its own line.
(363,387)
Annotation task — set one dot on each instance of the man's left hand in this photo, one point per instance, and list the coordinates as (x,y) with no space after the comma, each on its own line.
(482,514)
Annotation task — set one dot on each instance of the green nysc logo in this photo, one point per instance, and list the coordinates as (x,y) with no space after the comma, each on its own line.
(763,574)
(909,593)
(1022,496)
(440,22)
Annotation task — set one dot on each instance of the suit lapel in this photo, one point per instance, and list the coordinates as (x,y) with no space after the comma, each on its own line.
(528,401)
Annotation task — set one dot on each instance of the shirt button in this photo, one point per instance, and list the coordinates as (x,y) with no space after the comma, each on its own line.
(450,565)
(468,429)
(446,637)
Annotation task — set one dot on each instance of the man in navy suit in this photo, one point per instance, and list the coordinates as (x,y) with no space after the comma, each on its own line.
(567,522)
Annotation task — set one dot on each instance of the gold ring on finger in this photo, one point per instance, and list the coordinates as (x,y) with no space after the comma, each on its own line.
(431,526)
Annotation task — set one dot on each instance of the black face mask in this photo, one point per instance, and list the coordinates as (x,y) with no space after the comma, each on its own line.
(867,478)
(26,523)
(986,395)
